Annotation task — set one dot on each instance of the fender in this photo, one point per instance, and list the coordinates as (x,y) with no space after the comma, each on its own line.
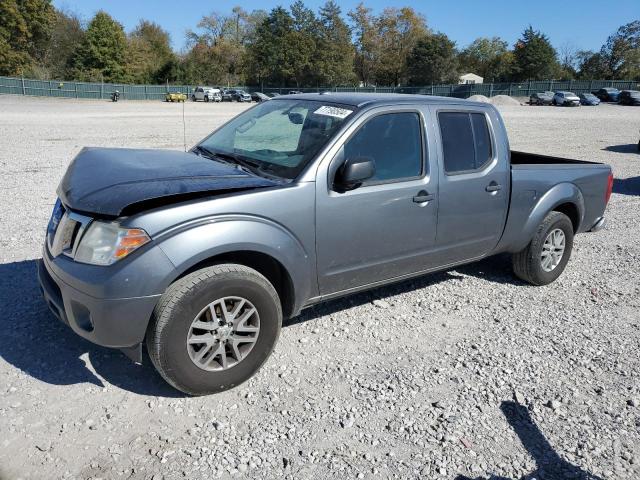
(194,242)
(555,196)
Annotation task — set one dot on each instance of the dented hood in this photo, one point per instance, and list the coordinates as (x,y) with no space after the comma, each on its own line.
(107,180)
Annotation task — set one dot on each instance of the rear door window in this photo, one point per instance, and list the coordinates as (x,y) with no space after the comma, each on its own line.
(466,141)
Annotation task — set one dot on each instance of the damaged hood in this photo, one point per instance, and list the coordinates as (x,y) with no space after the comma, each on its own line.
(107,180)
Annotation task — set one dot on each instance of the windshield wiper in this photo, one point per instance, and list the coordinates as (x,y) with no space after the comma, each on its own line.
(203,151)
(256,168)
(220,156)
(236,159)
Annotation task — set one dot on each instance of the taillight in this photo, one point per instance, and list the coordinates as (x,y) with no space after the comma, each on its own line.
(607,195)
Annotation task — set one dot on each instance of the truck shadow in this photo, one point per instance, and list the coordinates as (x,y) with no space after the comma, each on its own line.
(624,148)
(495,269)
(34,341)
(627,186)
(549,465)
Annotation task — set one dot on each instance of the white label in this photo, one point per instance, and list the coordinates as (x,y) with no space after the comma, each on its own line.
(333,111)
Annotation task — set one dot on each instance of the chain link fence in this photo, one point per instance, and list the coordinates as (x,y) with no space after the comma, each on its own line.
(55,88)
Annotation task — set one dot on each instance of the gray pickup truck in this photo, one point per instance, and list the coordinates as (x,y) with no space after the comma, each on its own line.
(297,200)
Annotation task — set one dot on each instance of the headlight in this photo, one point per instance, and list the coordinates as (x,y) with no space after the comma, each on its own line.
(106,243)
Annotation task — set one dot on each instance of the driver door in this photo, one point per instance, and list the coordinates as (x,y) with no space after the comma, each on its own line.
(385,228)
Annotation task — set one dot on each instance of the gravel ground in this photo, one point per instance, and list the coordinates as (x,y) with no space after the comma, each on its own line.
(465,374)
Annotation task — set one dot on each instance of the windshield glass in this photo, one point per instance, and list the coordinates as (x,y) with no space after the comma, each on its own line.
(280,136)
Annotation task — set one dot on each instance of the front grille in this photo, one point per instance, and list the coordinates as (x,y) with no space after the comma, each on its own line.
(65,231)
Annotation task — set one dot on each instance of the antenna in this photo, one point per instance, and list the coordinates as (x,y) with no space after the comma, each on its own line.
(184,129)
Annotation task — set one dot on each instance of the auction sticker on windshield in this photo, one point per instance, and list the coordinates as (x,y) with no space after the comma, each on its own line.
(333,111)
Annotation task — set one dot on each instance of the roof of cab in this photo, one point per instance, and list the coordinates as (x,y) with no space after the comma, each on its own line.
(368,99)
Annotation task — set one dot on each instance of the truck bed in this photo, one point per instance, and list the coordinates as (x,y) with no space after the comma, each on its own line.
(533,176)
(524,158)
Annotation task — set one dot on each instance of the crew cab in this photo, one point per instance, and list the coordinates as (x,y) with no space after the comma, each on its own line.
(295,201)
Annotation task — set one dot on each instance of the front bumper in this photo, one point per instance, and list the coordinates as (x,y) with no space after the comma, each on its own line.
(110,322)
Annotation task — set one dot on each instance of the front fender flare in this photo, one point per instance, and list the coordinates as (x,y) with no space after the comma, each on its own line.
(190,244)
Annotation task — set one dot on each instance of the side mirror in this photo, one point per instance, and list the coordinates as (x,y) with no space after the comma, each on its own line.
(354,171)
(296,118)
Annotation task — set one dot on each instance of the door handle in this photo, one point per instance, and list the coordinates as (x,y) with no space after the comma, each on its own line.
(493,187)
(423,196)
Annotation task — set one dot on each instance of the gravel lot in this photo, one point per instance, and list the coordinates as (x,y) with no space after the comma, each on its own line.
(465,374)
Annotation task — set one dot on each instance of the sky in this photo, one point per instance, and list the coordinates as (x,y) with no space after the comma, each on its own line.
(584,25)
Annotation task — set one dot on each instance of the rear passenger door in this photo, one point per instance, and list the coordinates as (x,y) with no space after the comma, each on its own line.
(474,178)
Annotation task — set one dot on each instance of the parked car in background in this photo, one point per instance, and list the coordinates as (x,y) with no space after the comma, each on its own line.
(541,98)
(175,97)
(629,97)
(607,94)
(566,99)
(235,96)
(273,94)
(259,97)
(589,99)
(294,92)
(206,94)
(202,254)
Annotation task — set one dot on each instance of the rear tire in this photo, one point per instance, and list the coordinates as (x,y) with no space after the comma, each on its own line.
(188,302)
(541,262)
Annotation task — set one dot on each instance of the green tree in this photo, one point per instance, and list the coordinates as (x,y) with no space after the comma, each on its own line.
(335,51)
(367,44)
(25,27)
(148,51)
(591,65)
(621,53)
(433,60)
(488,57)
(272,50)
(535,57)
(102,53)
(399,31)
(66,34)
(218,47)
(305,38)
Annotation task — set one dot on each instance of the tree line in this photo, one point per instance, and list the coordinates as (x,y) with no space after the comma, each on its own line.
(295,47)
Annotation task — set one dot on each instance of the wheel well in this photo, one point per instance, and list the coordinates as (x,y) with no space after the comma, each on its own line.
(268,266)
(571,211)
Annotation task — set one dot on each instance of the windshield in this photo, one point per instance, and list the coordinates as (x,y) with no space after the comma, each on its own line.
(280,137)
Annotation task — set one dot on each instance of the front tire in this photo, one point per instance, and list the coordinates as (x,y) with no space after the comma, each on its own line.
(545,258)
(213,329)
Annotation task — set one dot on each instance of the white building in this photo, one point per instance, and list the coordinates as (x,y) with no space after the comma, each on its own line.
(470,78)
